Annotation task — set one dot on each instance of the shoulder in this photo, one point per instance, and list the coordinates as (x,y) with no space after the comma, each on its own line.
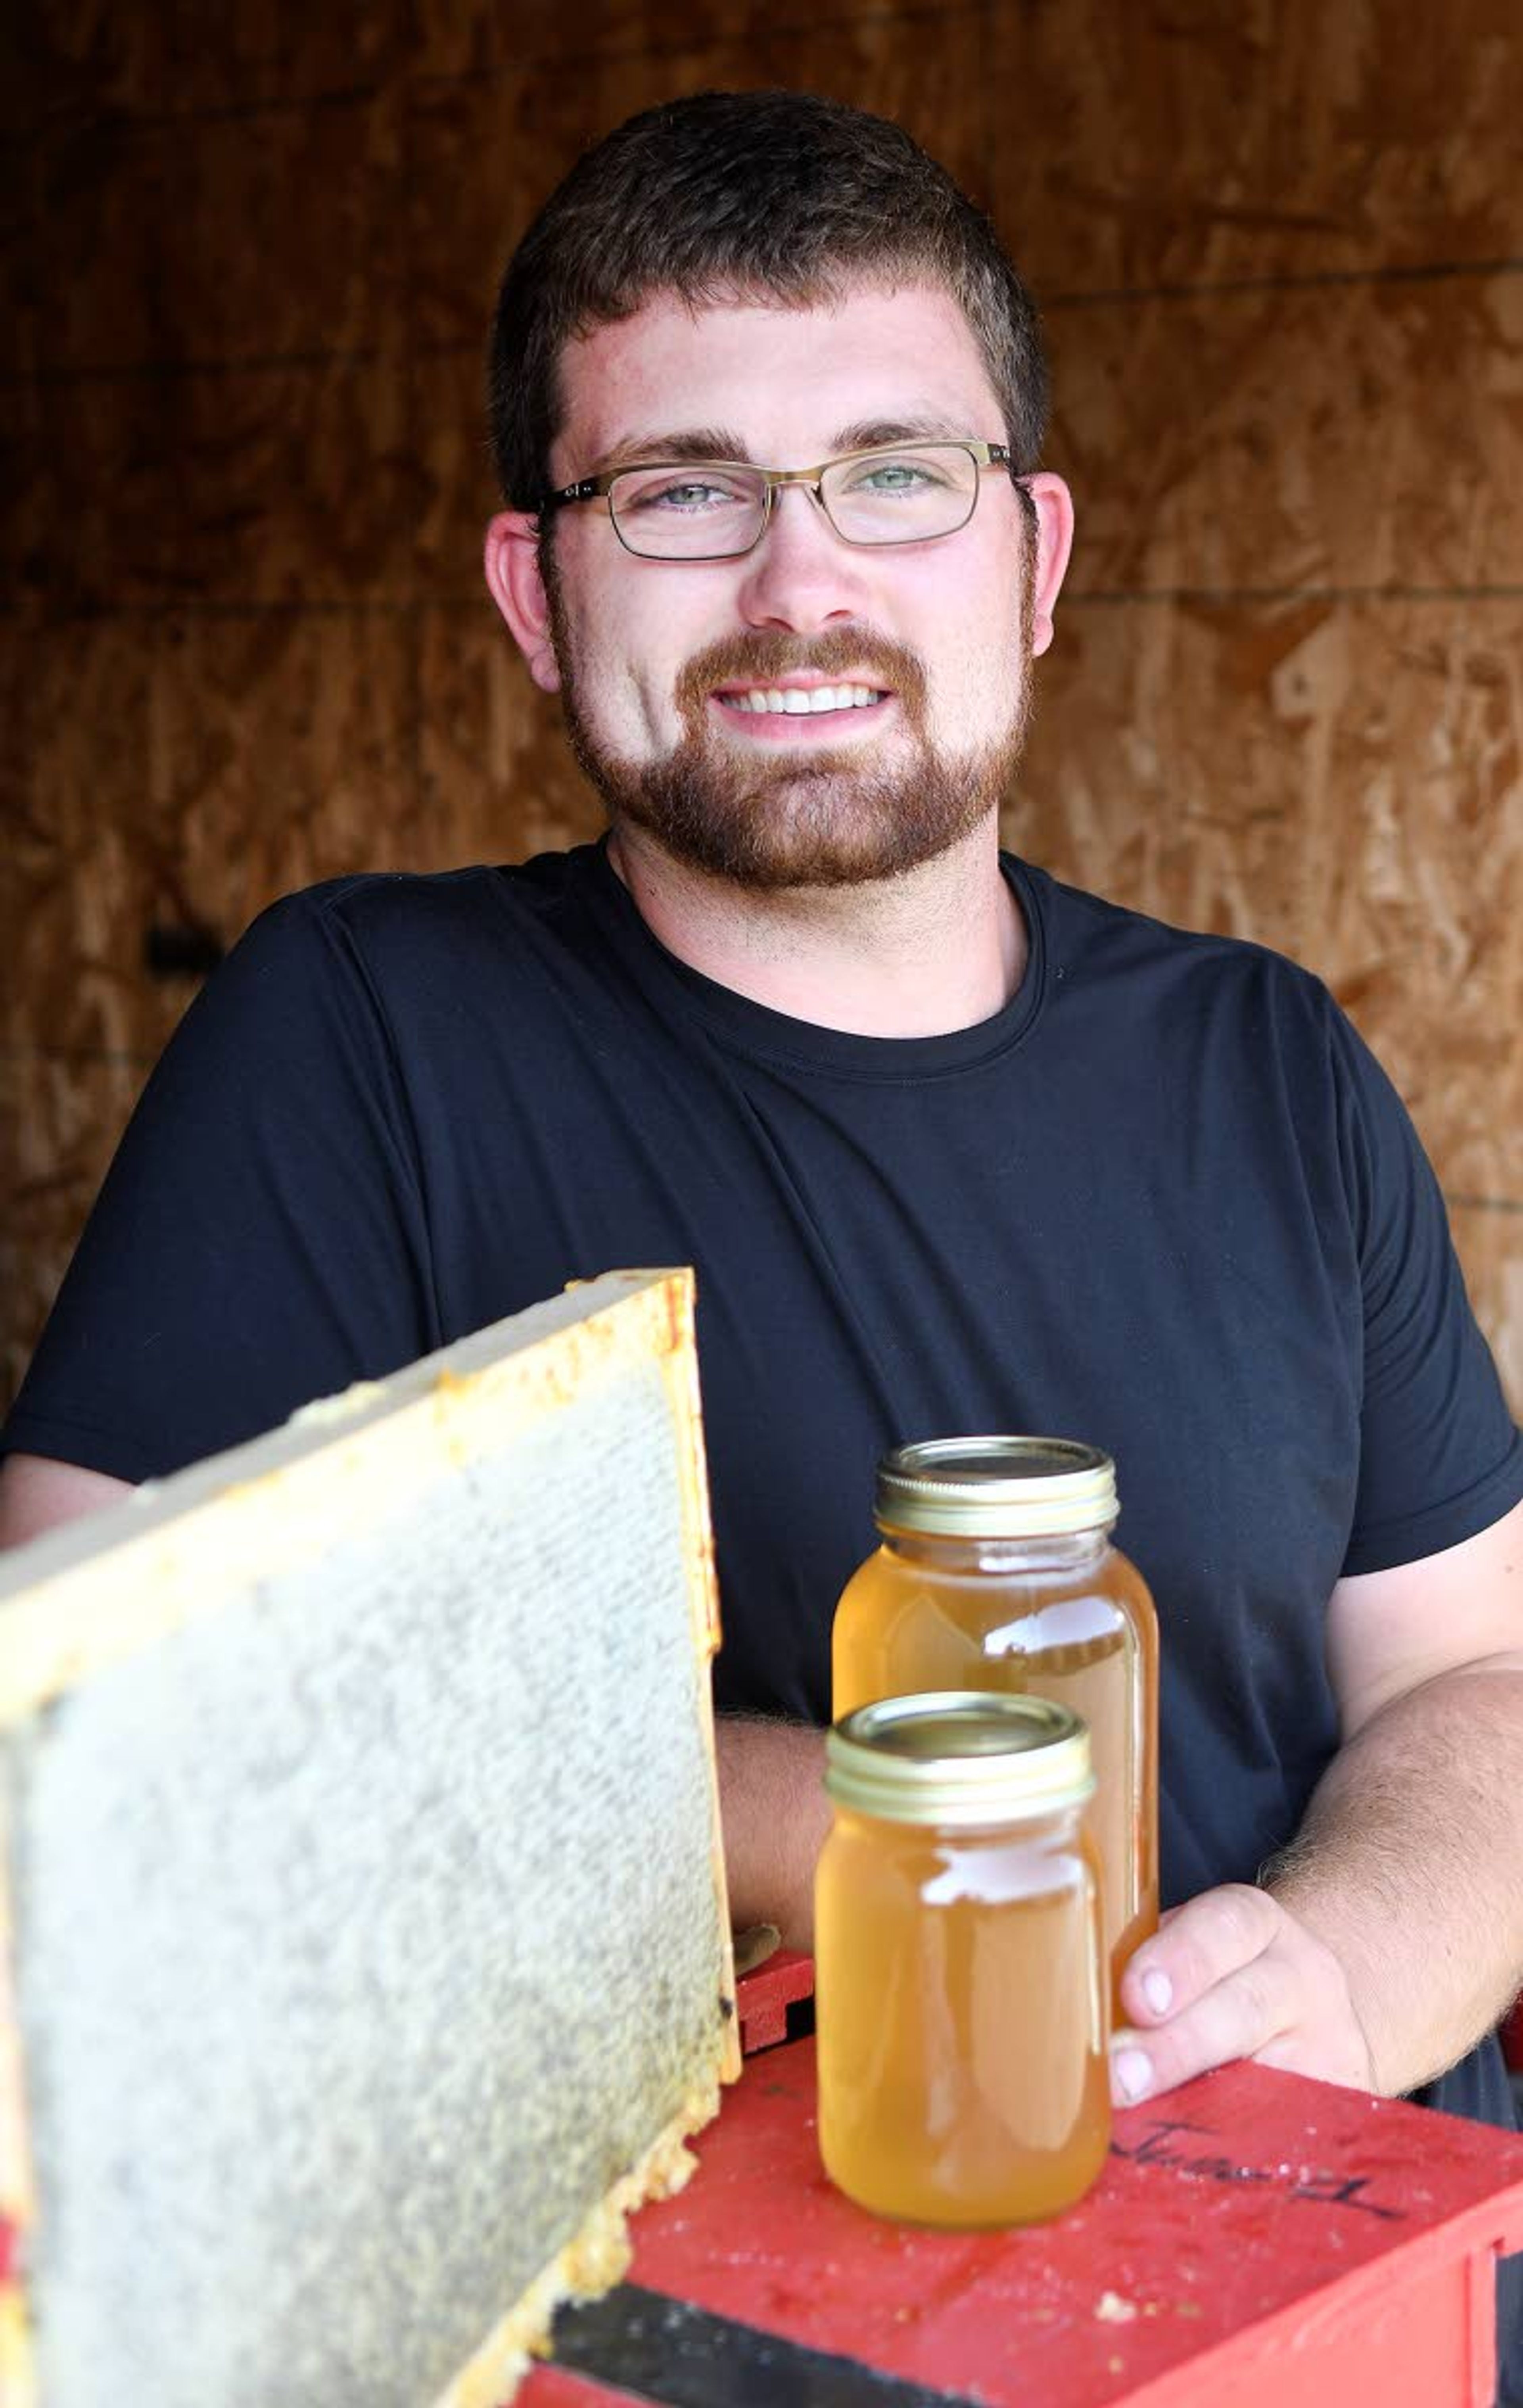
(1093,926)
(438,906)
(332,975)
(1118,956)
(384,929)
(1234,1028)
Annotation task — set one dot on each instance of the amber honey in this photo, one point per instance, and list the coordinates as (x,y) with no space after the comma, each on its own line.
(960,1989)
(1051,1611)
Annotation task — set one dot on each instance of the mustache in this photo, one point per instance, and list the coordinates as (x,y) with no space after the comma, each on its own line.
(769,653)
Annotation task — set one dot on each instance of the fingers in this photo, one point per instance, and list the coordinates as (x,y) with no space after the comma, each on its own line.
(1231,1974)
(1203,1990)
(1197,1946)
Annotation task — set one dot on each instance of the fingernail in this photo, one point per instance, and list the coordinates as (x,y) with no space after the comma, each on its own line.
(1132,2074)
(1159,1991)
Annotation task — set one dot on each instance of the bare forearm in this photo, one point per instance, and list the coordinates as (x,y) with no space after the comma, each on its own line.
(1388,1937)
(772,1801)
(1406,1868)
(36,1494)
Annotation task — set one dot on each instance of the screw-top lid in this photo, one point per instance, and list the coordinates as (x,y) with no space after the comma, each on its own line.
(996,1487)
(959,1756)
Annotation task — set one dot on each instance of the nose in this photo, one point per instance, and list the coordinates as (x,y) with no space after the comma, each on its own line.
(801,576)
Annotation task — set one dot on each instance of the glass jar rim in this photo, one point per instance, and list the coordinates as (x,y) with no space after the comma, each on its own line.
(995,1486)
(961,1757)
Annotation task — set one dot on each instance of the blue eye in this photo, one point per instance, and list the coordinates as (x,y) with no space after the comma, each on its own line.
(907,475)
(690,494)
(685,497)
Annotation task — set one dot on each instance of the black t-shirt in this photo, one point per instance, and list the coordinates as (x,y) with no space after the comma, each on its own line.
(1164,1200)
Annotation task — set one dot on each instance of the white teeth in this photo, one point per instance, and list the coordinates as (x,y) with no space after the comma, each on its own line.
(798,702)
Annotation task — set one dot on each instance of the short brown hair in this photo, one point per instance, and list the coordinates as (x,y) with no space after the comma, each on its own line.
(727,193)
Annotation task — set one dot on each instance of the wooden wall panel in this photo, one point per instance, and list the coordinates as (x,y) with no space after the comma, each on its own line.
(218,238)
(251,256)
(258,485)
(637,30)
(1271,140)
(485,153)
(1339,436)
(278,738)
(495,780)
(61,1114)
(1490,1246)
(76,713)
(83,58)
(458,486)
(1363,815)
(235,747)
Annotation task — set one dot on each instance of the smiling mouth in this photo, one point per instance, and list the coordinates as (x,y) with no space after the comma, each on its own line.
(799,702)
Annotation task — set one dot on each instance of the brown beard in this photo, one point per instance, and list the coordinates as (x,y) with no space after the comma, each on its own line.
(826,819)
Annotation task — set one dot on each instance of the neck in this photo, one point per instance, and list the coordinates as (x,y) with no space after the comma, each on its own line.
(935,948)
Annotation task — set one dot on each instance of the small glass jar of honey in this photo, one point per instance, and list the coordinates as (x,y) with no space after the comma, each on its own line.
(959,1990)
(997,1572)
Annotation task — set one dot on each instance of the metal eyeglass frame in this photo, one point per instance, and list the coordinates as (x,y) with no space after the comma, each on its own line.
(984,456)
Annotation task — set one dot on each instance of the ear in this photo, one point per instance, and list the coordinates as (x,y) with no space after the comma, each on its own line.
(1054,506)
(518,589)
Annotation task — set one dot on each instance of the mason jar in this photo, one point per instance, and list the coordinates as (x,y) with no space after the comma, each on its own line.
(960,1998)
(997,1572)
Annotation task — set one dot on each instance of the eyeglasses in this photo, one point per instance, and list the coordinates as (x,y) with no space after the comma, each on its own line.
(717,509)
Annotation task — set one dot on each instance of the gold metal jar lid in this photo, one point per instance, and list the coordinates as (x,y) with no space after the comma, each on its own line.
(959,1756)
(996,1487)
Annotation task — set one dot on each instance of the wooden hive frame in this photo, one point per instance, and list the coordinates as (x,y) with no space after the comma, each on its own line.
(363,1933)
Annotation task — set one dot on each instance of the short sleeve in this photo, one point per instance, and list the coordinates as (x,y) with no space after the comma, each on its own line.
(261,1237)
(1440,1456)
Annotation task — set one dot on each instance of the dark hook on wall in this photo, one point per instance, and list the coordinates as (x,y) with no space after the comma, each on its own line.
(182,950)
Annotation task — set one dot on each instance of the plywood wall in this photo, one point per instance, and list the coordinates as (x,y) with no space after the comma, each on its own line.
(252,250)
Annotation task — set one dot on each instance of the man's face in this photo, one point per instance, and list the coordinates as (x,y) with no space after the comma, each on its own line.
(663,663)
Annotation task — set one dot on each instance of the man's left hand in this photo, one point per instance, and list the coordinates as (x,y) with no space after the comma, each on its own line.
(1231,1974)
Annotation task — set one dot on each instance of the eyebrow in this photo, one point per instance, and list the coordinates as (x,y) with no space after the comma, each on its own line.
(871,433)
(692,443)
(682,443)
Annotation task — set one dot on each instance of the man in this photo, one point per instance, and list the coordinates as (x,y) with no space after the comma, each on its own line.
(952,1147)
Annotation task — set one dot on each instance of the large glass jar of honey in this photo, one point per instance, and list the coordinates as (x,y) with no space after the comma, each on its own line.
(958,1975)
(997,1572)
